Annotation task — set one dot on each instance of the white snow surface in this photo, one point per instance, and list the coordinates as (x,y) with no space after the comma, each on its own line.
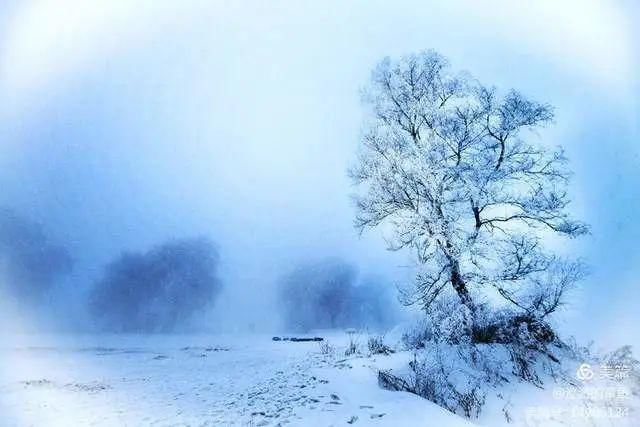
(197,380)
(247,379)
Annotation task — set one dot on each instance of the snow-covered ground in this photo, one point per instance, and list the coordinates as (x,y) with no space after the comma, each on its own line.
(171,380)
(217,380)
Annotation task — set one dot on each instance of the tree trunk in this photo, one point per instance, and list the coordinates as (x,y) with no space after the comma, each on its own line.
(460,286)
(476,216)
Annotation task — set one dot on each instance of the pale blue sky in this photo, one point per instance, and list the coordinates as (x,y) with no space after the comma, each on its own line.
(123,123)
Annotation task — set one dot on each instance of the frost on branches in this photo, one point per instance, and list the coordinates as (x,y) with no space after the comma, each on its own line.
(454,170)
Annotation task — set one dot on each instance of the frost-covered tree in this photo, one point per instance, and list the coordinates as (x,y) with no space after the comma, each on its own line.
(315,294)
(30,262)
(456,172)
(328,294)
(157,291)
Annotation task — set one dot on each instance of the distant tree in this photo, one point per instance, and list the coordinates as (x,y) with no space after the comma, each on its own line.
(453,169)
(327,294)
(159,290)
(30,262)
(371,305)
(315,295)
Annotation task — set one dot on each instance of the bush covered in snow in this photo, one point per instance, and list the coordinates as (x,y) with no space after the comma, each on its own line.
(159,290)
(376,345)
(452,369)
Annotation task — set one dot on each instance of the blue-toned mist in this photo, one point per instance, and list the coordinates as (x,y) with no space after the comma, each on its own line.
(124,126)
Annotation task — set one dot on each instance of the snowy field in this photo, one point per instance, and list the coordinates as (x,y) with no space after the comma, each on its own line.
(199,380)
(218,380)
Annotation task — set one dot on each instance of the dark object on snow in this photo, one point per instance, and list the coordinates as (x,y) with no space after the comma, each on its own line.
(314,339)
(216,349)
(298,339)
